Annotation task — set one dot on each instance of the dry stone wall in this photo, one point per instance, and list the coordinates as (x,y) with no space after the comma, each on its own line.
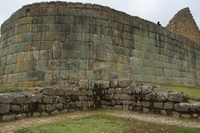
(51,43)
(121,94)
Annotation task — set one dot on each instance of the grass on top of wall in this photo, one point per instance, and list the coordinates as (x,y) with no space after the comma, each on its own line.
(105,124)
(192,91)
(8,90)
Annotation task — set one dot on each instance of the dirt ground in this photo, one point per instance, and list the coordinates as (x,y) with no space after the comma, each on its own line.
(10,127)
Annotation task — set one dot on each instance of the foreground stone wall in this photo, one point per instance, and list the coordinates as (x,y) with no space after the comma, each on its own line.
(121,94)
(51,43)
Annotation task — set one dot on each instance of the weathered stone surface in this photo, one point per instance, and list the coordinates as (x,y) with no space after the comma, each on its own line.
(168,105)
(118,90)
(8,117)
(15,108)
(181,107)
(162,95)
(145,110)
(50,107)
(175,114)
(146,89)
(127,90)
(163,112)
(114,83)
(145,104)
(6,98)
(36,114)
(83,84)
(124,82)
(111,90)
(158,105)
(19,98)
(186,116)
(175,96)
(4,108)
(106,84)
(49,91)
(118,107)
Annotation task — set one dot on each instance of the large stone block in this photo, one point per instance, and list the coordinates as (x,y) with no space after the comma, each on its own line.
(124,82)
(6,98)
(175,96)
(4,108)
(158,105)
(162,95)
(183,107)
(146,88)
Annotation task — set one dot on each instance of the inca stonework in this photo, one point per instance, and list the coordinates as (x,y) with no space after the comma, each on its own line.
(53,43)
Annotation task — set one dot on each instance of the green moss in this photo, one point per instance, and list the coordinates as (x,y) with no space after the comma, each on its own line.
(7,90)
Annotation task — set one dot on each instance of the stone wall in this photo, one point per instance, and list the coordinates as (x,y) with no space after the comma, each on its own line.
(51,43)
(184,24)
(121,94)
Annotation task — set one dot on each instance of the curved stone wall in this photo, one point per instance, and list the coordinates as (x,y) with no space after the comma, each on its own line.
(53,43)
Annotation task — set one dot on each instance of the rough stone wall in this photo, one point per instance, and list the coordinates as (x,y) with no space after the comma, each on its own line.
(184,24)
(52,43)
(121,94)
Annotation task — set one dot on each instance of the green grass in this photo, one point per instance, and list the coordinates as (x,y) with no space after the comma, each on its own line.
(7,90)
(192,91)
(105,124)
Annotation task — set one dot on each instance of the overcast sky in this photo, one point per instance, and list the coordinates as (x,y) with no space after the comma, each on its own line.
(152,10)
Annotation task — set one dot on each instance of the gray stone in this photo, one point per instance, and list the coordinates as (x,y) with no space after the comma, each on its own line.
(19,98)
(137,90)
(162,96)
(151,96)
(181,107)
(106,84)
(6,98)
(45,99)
(15,108)
(83,84)
(36,114)
(175,114)
(168,105)
(118,90)
(118,107)
(175,96)
(8,117)
(186,116)
(124,97)
(111,91)
(20,116)
(49,91)
(145,104)
(89,92)
(125,107)
(59,106)
(55,112)
(124,82)
(163,112)
(50,107)
(146,88)
(84,103)
(44,114)
(127,102)
(53,99)
(117,96)
(158,105)
(114,83)
(145,110)
(127,90)
(4,108)
(83,92)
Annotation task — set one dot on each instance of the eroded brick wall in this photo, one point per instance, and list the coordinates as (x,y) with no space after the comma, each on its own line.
(52,43)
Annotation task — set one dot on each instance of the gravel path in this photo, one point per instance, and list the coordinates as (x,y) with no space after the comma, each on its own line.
(9,127)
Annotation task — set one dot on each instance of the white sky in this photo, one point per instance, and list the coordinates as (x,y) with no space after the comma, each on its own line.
(152,10)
